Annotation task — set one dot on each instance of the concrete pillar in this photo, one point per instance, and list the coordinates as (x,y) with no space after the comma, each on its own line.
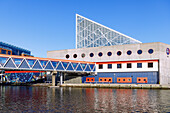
(53,79)
(61,78)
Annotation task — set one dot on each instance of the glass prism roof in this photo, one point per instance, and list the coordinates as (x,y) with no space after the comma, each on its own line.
(93,34)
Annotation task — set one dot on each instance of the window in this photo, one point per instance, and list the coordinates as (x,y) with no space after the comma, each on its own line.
(129,52)
(109,79)
(87,79)
(123,79)
(104,79)
(109,66)
(100,79)
(129,65)
(119,53)
(9,52)
(138,79)
(144,80)
(119,80)
(119,65)
(91,54)
(139,65)
(100,66)
(150,51)
(100,54)
(150,65)
(109,53)
(139,52)
(3,51)
(75,55)
(83,55)
(128,79)
(67,56)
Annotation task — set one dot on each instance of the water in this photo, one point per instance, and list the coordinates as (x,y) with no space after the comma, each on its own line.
(41,99)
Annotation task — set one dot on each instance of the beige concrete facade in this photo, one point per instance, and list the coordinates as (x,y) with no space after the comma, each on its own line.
(158,48)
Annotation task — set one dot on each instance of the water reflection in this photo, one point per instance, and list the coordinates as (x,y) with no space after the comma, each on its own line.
(42,99)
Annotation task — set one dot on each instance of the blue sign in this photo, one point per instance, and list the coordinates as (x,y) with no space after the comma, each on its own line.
(167,51)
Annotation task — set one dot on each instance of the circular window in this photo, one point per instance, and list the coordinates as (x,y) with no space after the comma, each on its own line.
(119,53)
(129,52)
(91,54)
(109,53)
(67,56)
(75,55)
(150,51)
(100,54)
(83,55)
(139,52)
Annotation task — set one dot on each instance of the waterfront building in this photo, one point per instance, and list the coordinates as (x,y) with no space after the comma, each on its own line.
(9,49)
(122,60)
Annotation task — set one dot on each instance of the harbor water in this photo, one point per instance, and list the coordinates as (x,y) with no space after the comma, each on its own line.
(28,99)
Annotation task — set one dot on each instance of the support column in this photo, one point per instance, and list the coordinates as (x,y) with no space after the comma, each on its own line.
(53,78)
(61,78)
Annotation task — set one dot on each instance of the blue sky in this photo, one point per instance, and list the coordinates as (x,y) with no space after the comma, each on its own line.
(43,25)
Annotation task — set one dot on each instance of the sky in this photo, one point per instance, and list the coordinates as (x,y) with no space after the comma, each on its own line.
(45,25)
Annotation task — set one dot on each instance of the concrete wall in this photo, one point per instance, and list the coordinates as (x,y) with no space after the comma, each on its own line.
(159,53)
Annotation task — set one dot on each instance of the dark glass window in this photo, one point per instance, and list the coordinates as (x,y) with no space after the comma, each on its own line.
(119,79)
(91,54)
(138,79)
(67,56)
(119,53)
(104,79)
(100,54)
(129,52)
(109,66)
(109,79)
(100,66)
(150,65)
(119,65)
(123,79)
(139,65)
(87,79)
(83,55)
(128,79)
(75,55)
(3,51)
(129,65)
(139,52)
(109,53)
(150,51)
(100,79)
(9,52)
(144,80)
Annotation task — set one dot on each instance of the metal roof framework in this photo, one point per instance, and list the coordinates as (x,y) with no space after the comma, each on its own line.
(93,34)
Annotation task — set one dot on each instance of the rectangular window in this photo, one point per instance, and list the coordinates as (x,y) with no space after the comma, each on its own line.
(150,65)
(100,66)
(109,66)
(119,66)
(129,65)
(3,51)
(139,65)
(9,52)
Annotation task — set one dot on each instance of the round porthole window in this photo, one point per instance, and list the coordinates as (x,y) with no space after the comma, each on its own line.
(100,54)
(91,54)
(119,53)
(75,55)
(109,53)
(129,52)
(67,56)
(83,55)
(139,52)
(150,51)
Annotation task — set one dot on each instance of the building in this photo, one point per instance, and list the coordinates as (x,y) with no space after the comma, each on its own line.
(12,76)
(93,34)
(124,60)
(9,49)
